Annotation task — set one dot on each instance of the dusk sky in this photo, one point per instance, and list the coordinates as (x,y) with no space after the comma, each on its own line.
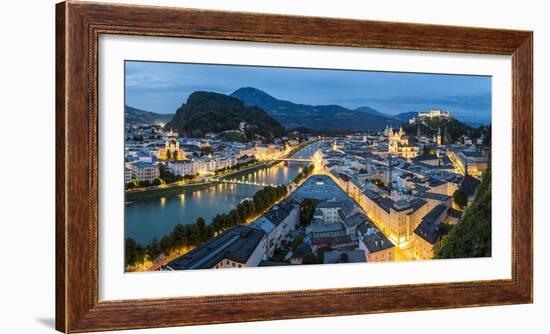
(163,87)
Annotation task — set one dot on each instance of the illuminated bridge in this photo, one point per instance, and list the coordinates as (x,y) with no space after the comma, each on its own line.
(293,159)
(251,183)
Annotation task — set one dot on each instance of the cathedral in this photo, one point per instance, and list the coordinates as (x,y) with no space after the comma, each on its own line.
(171,150)
(400,143)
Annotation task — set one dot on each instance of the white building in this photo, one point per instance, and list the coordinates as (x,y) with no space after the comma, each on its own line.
(333,211)
(200,165)
(430,114)
(240,246)
(278,222)
(186,167)
(143,171)
(127,175)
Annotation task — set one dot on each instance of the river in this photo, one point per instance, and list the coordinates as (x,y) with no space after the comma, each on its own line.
(155,218)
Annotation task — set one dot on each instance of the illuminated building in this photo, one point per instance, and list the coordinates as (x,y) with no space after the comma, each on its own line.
(397,220)
(400,143)
(438,140)
(200,165)
(468,162)
(430,114)
(171,151)
(267,152)
(376,246)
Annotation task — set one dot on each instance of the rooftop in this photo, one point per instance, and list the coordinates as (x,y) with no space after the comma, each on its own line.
(352,256)
(469,185)
(319,187)
(346,206)
(432,196)
(236,244)
(356,219)
(301,250)
(373,239)
(142,164)
(326,228)
(280,211)
(434,213)
(428,229)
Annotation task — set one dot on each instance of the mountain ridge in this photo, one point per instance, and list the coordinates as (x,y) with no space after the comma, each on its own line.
(135,116)
(294,115)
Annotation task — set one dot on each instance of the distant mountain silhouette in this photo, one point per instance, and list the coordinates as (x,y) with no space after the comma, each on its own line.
(372,111)
(212,112)
(330,117)
(135,116)
(404,117)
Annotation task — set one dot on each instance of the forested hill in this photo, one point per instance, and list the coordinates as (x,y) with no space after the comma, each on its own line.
(471,237)
(452,129)
(206,112)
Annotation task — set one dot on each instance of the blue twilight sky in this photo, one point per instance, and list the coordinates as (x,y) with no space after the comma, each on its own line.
(163,87)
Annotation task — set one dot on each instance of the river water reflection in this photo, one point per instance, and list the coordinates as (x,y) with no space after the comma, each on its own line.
(155,218)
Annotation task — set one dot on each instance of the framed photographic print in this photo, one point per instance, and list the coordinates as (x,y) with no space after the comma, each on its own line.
(222,166)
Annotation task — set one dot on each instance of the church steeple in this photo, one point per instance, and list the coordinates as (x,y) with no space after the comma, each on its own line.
(438,137)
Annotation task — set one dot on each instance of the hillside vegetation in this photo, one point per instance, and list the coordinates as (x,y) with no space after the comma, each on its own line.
(207,112)
(452,129)
(471,237)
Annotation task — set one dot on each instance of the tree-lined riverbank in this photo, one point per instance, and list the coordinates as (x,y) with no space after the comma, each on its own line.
(191,235)
(156,216)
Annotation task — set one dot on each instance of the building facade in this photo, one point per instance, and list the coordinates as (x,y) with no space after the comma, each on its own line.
(143,171)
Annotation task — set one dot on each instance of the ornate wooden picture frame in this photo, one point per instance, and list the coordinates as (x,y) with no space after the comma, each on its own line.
(78,27)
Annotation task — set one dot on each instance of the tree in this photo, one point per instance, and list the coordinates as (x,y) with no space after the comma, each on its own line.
(166,244)
(307,209)
(471,237)
(178,235)
(175,157)
(460,198)
(298,178)
(153,249)
(132,184)
(209,232)
(296,242)
(157,182)
(201,228)
(168,155)
(133,252)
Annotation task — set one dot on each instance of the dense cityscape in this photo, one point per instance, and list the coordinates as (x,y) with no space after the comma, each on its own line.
(413,190)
